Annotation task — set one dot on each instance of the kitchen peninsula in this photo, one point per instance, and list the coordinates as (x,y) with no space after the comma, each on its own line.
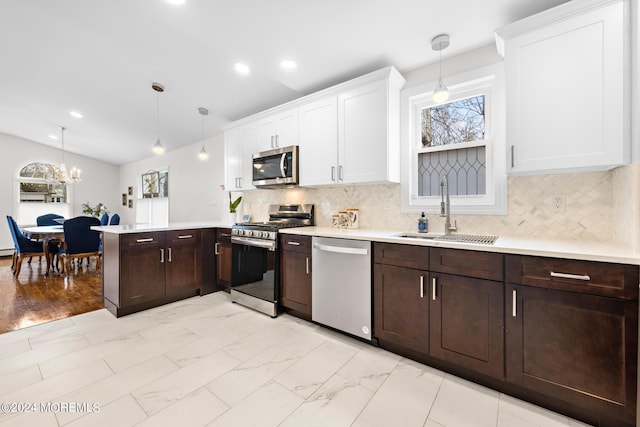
(148,265)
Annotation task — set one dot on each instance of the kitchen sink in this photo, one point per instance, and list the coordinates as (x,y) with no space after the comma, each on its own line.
(456,238)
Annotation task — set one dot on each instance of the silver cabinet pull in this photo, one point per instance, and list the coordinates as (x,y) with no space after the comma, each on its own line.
(512,156)
(277,141)
(307,264)
(433,292)
(293,243)
(272,141)
(584,277)
(162,256)
(216,251)
(333,173)
(185,236)
(514,310)
(169,254)
(144,240)
(421,286)
(340,173)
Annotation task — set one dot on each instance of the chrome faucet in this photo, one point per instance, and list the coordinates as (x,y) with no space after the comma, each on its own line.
(445,206)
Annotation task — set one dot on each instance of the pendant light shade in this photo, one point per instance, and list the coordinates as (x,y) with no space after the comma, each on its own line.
(440,93)
(203,155)
(158,148)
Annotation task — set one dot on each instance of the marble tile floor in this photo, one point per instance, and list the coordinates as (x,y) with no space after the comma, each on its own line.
(208,362)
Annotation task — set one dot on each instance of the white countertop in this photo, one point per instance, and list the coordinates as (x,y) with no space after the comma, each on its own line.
(589,251)
(140,228)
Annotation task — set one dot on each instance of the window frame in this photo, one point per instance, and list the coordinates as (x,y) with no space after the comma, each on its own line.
(26,212)
(488,81)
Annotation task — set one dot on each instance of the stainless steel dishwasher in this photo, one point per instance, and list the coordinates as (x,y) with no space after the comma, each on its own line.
(341,291)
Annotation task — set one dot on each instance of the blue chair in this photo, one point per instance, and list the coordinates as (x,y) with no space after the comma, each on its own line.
(48,219)
(80,241)
(115,220)
(23,247)
(104,220)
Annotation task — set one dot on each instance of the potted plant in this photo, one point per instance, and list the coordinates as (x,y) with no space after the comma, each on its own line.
(233,205)
(96,211)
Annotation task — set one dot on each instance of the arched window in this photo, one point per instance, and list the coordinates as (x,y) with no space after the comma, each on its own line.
(39,183)
(40,192)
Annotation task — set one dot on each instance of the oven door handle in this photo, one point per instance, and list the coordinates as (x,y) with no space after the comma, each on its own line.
(267,244)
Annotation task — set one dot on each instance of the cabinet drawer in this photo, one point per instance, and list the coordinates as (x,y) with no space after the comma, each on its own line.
(292,242)
(401,255)
(184,237)
(587,277)
(479,264)
(223,235)
(143,239)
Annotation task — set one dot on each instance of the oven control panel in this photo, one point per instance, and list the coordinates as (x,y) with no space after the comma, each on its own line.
(256,234)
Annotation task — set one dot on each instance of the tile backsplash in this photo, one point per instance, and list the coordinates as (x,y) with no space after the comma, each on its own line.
(592,201)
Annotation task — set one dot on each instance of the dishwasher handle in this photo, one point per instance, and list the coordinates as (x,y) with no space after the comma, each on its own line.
(341,249)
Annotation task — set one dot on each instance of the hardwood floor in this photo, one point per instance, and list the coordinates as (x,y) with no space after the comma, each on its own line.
(32,298)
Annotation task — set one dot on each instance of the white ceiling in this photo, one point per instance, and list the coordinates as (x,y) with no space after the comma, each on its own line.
(99,57)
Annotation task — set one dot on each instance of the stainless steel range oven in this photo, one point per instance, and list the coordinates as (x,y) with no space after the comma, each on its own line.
(255,263)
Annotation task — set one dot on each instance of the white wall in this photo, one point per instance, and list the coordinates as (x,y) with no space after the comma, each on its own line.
(194,192)
(99,179)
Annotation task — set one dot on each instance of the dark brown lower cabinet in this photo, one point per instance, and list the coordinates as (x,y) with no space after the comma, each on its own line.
(401,307)
(147,269)
(223,256)
(466,322)
(295,275)
(581,349)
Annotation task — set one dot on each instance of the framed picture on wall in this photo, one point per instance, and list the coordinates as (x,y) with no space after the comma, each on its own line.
(124,199)
(150,185)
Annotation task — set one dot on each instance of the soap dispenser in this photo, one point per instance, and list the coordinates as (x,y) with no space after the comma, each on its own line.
(423,224)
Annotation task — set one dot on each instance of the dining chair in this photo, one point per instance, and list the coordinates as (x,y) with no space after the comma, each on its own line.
(23,247)
(115,219)
(80,241)
(104,219)
(54,244)
(48,219)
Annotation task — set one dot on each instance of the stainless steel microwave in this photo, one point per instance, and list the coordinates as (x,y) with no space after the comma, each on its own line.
(276,168)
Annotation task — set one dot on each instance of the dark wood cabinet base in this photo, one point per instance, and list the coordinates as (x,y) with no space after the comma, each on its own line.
(123,311)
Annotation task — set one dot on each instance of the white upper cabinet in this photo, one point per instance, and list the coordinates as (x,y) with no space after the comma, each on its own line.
(239,145)
(353,137)
(318,148)
(278,130)
(567,75)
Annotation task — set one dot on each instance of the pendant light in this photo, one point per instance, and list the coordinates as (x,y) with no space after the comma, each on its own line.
(158,148)
(203,155)
(63,176)
(440,93)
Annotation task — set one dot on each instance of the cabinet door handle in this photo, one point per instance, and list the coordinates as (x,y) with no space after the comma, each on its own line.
(185,236)
(144,240)
(433,290)
(162,256)
(514,310)
(513,148)
(333,173)
(240,182)
(216,251)
(584,277)
(340,173)
(277,141)
(421,286)
(307,264)
(271,144)
(293,243)
(169,254)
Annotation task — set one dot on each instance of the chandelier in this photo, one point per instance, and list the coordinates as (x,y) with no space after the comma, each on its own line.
(59,173)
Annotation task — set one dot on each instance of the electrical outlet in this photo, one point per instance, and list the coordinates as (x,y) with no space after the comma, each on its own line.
(558,203)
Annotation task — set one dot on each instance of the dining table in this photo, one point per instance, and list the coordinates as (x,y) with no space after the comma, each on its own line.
(45,233)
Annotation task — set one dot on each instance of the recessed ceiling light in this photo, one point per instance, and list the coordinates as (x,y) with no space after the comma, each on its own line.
(76,114)
(53,137)
(242,68)
(288,65)
(176,1)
